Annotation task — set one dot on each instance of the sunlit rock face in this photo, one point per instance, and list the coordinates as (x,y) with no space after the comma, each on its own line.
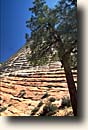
(16,62)
(33,91)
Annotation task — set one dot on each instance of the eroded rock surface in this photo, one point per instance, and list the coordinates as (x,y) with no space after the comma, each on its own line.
(21,91)
(33,91)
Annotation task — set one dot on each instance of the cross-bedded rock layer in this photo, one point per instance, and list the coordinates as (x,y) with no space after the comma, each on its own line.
(27,90)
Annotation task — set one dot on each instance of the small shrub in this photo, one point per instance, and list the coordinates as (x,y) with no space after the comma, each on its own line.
(52,99)
(48,110)
(40,104)
(45,95)
(34,110)
(26,46)
(66,102)
(2,109)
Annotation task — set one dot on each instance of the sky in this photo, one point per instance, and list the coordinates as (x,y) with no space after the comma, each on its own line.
(13,17)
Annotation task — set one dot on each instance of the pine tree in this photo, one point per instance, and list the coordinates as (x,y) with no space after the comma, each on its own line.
(27,37)
(54,35)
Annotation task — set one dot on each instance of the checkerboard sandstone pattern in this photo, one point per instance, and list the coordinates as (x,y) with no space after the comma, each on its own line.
(23,86)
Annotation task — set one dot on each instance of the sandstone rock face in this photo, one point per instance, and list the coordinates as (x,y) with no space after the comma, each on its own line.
(16,62)
(32,91)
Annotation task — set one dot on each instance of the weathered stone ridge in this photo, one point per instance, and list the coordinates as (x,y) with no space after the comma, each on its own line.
(16,62)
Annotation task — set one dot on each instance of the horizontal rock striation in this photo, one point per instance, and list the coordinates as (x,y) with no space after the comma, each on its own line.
(36,91)
(16,62)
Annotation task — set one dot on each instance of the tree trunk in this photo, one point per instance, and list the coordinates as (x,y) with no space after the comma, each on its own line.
(71,83)
(69,76)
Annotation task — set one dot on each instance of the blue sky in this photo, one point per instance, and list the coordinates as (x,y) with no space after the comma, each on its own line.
(13,15)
